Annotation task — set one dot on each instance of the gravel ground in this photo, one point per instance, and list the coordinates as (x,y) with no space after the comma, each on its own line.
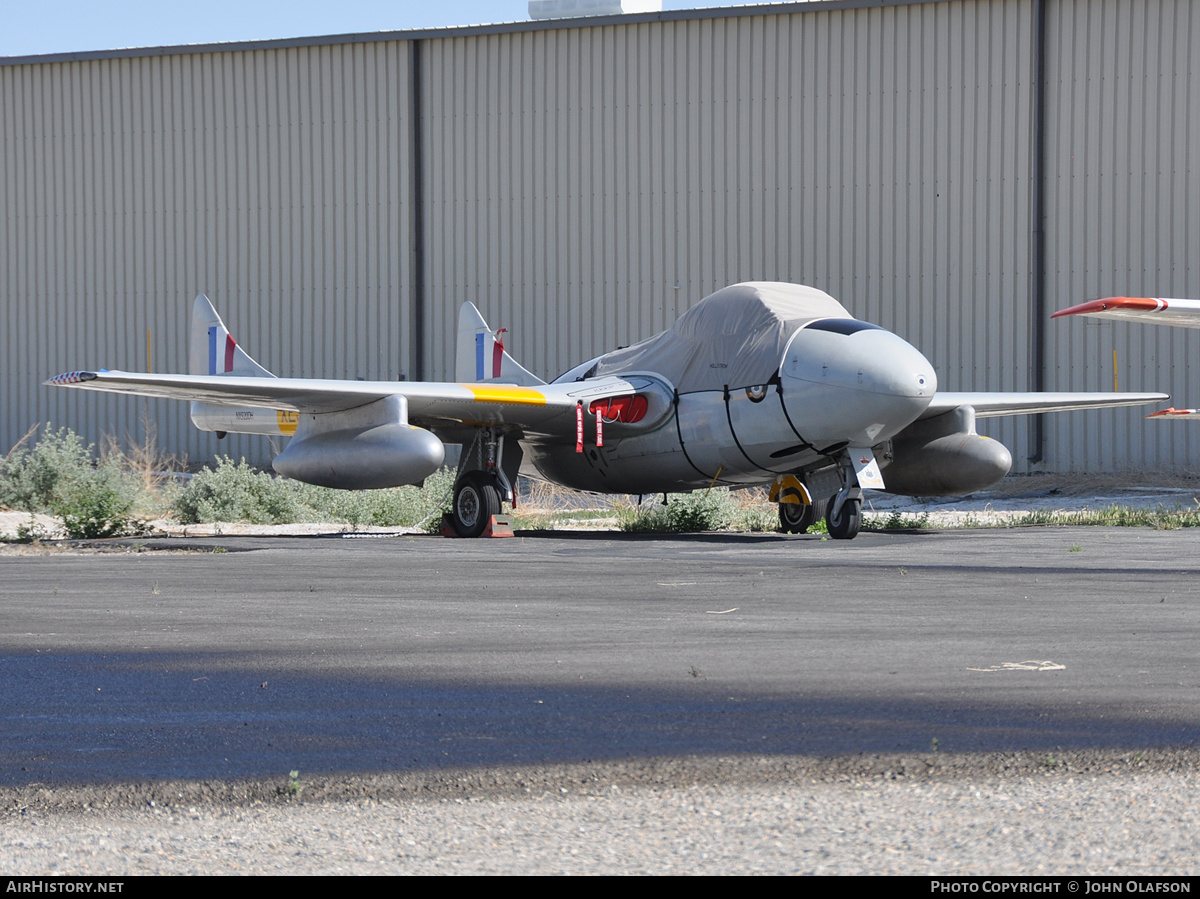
(1097,813)
(998,814)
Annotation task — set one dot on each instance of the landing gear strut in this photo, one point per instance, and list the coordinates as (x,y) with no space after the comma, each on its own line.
(844,517)
(487,474)
(845,523)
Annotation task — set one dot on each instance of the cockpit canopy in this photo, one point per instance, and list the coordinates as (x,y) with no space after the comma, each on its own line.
(734,337)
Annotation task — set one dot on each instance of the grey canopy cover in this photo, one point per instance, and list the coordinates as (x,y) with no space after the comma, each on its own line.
(734,337)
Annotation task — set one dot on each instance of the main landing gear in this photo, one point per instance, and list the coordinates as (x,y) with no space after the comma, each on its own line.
(842,510)
(487,474)
(797,518)
(476,500)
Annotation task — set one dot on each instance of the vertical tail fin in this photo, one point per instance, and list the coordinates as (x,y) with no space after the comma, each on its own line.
(480,356)
(212,349)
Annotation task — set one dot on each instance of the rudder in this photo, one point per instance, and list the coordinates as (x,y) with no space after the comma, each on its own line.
(212,349)
(479,356)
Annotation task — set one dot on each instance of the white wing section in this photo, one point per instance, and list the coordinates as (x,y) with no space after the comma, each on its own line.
(990,405)
(547,410)
(1155,310)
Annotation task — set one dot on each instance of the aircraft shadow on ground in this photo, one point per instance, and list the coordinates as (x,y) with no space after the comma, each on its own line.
(71,718)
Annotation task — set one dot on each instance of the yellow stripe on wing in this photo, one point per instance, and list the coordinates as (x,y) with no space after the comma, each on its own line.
(520,396)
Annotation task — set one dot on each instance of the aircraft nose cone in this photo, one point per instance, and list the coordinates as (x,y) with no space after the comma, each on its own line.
(855,382)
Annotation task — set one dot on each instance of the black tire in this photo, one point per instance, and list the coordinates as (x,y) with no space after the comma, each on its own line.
(811,516)
(476,500)
(796,518)
(848,521)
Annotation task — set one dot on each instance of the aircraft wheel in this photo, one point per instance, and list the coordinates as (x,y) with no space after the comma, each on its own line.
(796,518)
(476,500)
(846,524)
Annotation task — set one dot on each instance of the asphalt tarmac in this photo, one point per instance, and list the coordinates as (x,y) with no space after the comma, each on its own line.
(247,658)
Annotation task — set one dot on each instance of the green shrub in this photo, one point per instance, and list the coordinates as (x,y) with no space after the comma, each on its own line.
(395,507)
(39,477)
(757,519)
(233,491)
(703,510)
(60,475)
(896,521)
(100,506)
(236,492)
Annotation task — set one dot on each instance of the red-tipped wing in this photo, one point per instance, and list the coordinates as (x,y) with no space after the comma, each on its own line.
(1155,310)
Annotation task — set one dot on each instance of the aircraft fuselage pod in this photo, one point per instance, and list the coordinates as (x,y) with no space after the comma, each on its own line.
(839,383)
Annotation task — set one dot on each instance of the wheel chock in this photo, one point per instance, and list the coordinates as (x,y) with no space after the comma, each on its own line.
(499,526)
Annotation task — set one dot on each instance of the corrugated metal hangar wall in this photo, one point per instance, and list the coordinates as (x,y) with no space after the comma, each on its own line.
(953,170)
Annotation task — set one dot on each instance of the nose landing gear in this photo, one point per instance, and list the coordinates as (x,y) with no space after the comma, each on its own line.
(799,509)
(844,517)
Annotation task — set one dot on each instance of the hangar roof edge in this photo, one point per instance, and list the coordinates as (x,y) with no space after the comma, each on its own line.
(720,12)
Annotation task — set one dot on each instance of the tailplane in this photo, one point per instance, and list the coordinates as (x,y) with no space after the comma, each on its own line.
(480,354)
(212,349)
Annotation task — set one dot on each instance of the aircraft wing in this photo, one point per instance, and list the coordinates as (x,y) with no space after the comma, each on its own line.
(530,408)
(548,409)
(1155,310)
(990,405)
(1173,413)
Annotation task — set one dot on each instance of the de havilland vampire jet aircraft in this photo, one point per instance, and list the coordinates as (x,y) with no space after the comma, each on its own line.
(1154,310)
(760,383)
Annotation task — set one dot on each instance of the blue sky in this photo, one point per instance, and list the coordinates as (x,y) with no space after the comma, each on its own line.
(62,26)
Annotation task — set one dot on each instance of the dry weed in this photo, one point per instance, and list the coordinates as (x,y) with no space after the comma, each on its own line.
(152,466)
